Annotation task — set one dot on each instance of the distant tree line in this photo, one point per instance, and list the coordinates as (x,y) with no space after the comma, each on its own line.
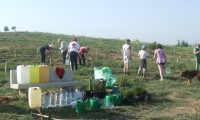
(6,29)
(182,43)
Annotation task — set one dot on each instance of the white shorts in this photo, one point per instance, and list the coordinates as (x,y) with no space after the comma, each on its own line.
(127,60)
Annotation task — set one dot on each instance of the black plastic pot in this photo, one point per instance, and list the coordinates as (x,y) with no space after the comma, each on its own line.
(99,94)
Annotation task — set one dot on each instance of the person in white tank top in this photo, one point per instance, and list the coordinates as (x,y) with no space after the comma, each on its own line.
(126,50)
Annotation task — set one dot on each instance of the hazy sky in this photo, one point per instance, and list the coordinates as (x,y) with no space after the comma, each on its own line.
(163,21)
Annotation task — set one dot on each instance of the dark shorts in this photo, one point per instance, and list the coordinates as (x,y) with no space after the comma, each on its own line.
(161,63)
(143,63)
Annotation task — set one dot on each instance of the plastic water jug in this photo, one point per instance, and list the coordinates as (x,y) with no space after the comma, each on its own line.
(67,61)
(46,100)
(34,97)
(52,99)
(68,98)
(23,74)
(43,73)
(167,69)
(57,98)
(34,74)
(78,94)
(72,95)
(62,98)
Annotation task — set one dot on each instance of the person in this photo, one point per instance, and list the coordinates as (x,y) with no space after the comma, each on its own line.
(126,49)
(143,62)
(197,56)
(82,53)
(43,50)
(73,53)
(63,49)
(161,59)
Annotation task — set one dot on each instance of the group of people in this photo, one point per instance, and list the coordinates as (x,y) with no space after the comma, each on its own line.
(159,55)
(73,51)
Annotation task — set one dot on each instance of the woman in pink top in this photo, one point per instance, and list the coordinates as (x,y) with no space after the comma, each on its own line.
(161,59)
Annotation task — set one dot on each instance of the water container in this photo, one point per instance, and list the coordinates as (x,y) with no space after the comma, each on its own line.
(110,101)
(52,99)
(34,74)
(23,74)
(167,69)
(57,98)
(68,98)
(81,106)
(34,97)
(67,61)
(46,100)
(62,98)
(72,95)
(43,73)
(78,94)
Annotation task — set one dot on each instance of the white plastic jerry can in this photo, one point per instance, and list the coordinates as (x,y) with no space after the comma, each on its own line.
(34,97)
(23,74)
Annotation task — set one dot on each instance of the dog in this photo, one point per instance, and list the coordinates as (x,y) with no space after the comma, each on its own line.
(189,74)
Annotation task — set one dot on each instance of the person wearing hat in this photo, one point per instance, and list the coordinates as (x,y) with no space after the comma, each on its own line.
(126,50)
(73,53)
(161,59)
(197,56)
(82,53)
(43,50)
(63,49)
(143,62)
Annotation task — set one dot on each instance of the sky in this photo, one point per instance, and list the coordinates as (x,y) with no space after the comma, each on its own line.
(162,21)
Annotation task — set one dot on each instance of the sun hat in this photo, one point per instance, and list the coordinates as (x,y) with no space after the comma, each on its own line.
(144,46)
(51,45)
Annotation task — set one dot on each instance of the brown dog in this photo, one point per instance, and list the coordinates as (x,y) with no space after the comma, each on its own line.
(189,74)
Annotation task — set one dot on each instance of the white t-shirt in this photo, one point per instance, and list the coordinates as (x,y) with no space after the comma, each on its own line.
(73,46)
(142,54)
(63,46)
(126,50)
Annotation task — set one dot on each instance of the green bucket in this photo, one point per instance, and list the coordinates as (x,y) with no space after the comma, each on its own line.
(95,104)
(119,98)
(80,106)
(110,100)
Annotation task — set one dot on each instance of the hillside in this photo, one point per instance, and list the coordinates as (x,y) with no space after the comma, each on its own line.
(171,99)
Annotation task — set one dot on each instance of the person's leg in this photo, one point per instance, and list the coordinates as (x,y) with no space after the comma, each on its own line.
(198,63)
(125,68)
(139,70)
(80,60)
(144,66)
(160,67)
(83,58)
(72,60)
(64,56)
(42,57)
(75,60)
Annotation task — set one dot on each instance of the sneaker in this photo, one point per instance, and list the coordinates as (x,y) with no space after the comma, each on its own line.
(161,79)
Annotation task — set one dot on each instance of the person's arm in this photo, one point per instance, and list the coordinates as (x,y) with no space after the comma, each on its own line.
(195,52)
(155,54)
(61,45)
(129,52)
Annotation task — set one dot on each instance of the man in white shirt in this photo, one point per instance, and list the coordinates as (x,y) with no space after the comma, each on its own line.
(63,49)
(143,63)
(73,53)
(126,49)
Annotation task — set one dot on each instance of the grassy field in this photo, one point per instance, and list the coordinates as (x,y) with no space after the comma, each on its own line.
(170,99)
